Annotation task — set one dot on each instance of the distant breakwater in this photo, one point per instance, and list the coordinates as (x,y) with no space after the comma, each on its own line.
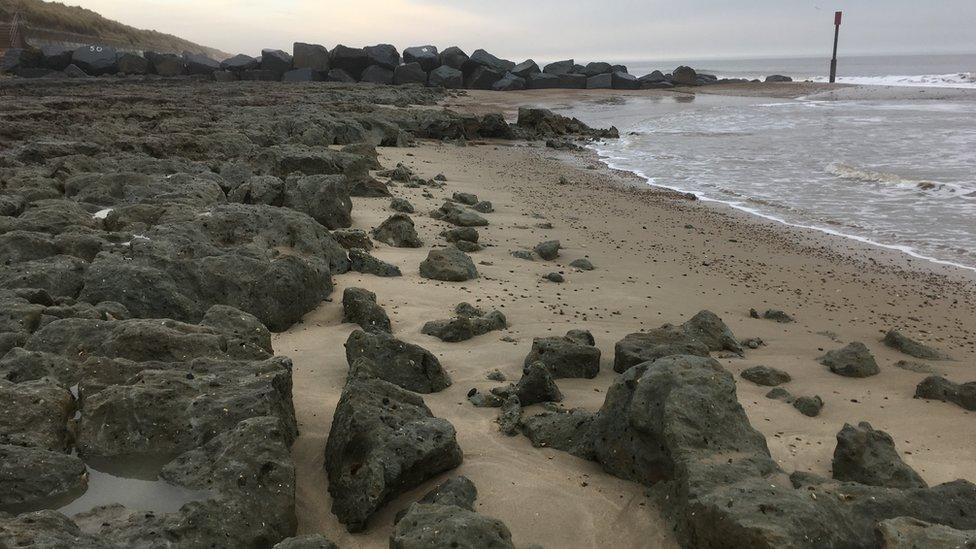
(451,68)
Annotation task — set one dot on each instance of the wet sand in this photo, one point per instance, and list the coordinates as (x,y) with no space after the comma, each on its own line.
(659,258)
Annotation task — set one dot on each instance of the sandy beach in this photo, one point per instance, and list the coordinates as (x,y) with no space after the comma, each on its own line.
(659,258)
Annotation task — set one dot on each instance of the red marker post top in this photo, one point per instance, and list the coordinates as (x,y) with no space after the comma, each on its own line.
(837,16)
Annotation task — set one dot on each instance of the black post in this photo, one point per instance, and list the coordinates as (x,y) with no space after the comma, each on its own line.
(833,60)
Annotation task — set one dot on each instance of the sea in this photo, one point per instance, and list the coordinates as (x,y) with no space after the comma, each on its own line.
(899,174)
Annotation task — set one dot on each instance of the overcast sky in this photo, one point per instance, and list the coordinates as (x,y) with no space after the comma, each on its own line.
(552,29)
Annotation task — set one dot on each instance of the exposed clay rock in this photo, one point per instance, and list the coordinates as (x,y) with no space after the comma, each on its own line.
(383,441)
(352,238)
(35,414)
(854,360)
(445,518)
(868,456)
(398,231)
(458,215)
(361,262)
(898,341)
(469,322)
(940,388)
(548,250)
(359,307)
(764,375)
(565,356)
(449,264)
(409,366)
(910,533)
(34,478)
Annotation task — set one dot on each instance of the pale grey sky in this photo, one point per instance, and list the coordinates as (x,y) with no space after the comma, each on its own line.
(551,29)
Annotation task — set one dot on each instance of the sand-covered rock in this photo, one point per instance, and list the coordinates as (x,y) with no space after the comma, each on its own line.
(899,341)
(940,388)
(469,322)
(854,360)
(362,262)
(359,306)
(764,375)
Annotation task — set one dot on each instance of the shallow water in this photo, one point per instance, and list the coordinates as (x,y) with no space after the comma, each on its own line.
(897,173)
(136,494)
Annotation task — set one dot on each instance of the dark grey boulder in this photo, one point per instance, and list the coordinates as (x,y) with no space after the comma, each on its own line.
(537,385)
(482,78)
(74,71)
(375,74)
(308,541)
(707,328)
(525,69)
(548,250)
(854,360)
(283,160)
(657,343)
(808,406)
(458,215)
(600,82)
(310,56)
(445,518)
(900,342)
(59,275)
(868,456)
(778,78)
(559,67)
(35,414)
(766,376)
(361,262)
(555,277)
(352,238)
(582,264)
(572,81)
(481,58)
(96,60)
(426,56)
(453,57)
(45,529)
(165,64)
(654,80)
(509,416)
(446,77)
(469,322)
(684,76)
(359,306)
(353,61)
(382,55)
(465,198)
(565,356)
(164,412)
(55,57)
(458,234)
(619,68)
(940,388)
(35,478)
(509,82)
(383,441)
(241,328)
(130,63)
(302,75)
(624,81)
(911,533)
(196,63)
(543,81)
(276,61)
(398,231)
(448,264)
(16,60)
(404,364)
(409,73)
(566,430)
(19,365)
(340,75)
(775,315)
(401,205)
(240,63)
(596,68)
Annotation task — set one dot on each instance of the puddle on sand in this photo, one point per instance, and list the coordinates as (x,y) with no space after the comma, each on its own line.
(147,493)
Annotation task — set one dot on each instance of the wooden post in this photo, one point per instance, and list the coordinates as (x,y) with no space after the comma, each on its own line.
(833,60)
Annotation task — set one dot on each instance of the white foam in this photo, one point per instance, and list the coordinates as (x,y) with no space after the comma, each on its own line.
(907,250)
(953,80)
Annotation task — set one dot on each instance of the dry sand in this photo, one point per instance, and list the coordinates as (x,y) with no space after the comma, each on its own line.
(659,258)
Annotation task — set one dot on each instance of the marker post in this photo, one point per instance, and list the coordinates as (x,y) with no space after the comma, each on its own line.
(833,60)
